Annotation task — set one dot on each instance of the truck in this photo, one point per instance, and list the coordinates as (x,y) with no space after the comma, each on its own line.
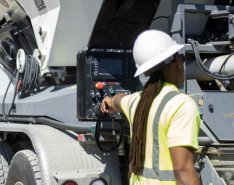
(59,58)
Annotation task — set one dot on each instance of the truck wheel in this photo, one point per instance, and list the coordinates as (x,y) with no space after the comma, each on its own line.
(6,155)
(24,169)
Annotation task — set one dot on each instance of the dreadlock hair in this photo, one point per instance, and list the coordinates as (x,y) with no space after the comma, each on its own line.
(137,149)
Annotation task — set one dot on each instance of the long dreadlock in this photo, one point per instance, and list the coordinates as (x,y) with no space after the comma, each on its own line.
(137,149)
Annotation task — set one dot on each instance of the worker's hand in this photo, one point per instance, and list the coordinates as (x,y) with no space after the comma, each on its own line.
(107,105)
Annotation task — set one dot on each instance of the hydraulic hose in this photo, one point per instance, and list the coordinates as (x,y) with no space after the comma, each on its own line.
(98,130)
(114,146)
(194,45)
(4,98)
(55,124)
(61,125)
(49,122)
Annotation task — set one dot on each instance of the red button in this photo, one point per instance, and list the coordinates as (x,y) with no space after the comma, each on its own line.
(99,85)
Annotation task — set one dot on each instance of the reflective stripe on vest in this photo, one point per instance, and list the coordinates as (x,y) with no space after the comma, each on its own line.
(155,172)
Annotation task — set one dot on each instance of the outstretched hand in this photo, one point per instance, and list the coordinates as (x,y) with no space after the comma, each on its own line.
(106,105)
(111,104)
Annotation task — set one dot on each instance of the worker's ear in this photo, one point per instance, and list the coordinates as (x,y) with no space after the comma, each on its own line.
(177,61)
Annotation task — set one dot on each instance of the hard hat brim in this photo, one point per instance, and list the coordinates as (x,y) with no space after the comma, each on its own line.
(153,62)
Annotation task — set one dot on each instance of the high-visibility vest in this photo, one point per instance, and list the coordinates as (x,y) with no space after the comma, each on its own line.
(158,169)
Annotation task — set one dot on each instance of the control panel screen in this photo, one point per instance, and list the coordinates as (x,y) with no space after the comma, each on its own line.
(110,66)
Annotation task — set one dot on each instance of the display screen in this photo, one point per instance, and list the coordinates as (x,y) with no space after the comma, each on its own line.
(110,66)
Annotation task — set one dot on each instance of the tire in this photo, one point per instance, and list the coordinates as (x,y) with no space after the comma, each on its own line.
(6,155)
(24,169)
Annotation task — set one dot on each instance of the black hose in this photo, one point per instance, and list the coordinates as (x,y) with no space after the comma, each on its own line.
(62,126)
(194,45)
(49,122)
(4,98)
(18,119)
(114,146)
(57,124)
(14,96)
(224,63)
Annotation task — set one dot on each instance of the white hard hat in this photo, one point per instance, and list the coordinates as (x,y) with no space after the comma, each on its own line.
(152,47)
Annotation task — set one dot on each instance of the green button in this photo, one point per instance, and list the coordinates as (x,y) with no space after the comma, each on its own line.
(111,91)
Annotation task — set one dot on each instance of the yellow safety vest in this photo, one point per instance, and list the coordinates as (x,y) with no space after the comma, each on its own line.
(158,169)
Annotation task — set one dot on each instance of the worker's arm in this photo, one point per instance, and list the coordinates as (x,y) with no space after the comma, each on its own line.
(182,160)
(112,104)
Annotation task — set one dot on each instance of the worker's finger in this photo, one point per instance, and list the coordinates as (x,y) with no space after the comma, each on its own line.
(103,107)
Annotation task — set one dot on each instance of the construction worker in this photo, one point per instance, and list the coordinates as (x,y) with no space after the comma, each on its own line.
(164,123)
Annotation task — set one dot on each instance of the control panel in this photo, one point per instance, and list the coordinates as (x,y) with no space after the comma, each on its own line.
(101,74)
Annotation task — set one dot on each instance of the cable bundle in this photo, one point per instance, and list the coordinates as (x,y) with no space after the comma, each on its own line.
(29,81)
(26,83)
